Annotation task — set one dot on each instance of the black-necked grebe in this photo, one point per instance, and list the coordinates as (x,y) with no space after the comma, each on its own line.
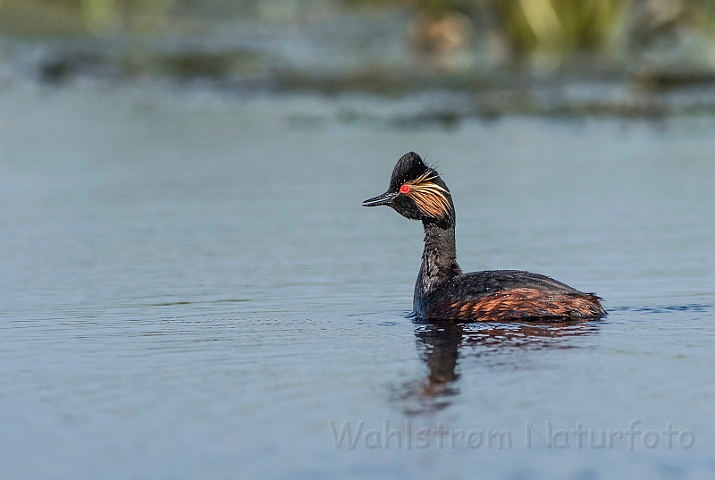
(442,291)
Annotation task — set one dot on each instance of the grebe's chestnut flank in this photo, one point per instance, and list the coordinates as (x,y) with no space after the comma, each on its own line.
(442,291)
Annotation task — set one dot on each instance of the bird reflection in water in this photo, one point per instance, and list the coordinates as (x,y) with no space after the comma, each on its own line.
(441,344)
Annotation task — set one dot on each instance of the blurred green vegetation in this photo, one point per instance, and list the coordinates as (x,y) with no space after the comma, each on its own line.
(565,26)
(553,27)
(48,17)
(561,25)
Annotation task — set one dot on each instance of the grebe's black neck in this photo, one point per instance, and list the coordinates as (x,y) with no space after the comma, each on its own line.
(439,259)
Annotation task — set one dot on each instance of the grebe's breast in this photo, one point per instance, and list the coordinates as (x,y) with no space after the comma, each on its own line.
(501,295)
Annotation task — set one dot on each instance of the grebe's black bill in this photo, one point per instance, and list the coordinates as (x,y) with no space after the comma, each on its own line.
(384,199)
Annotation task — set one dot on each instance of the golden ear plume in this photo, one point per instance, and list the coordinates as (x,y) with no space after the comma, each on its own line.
(429,197)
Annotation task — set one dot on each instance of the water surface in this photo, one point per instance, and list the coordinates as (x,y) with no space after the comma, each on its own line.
(190,289)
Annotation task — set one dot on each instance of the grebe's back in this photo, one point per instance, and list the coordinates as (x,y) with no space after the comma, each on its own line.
(508,294)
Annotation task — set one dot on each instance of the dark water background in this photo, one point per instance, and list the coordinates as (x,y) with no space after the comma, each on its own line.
(190,289)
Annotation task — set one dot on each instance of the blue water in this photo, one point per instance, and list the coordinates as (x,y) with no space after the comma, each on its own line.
(190,289)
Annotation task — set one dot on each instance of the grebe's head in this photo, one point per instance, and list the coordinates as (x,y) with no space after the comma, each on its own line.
(417,192)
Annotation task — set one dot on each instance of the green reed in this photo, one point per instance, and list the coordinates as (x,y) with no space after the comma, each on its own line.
(48,16)
(561,26)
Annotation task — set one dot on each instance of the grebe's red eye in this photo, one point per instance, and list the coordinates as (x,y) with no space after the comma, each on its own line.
(405,188)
